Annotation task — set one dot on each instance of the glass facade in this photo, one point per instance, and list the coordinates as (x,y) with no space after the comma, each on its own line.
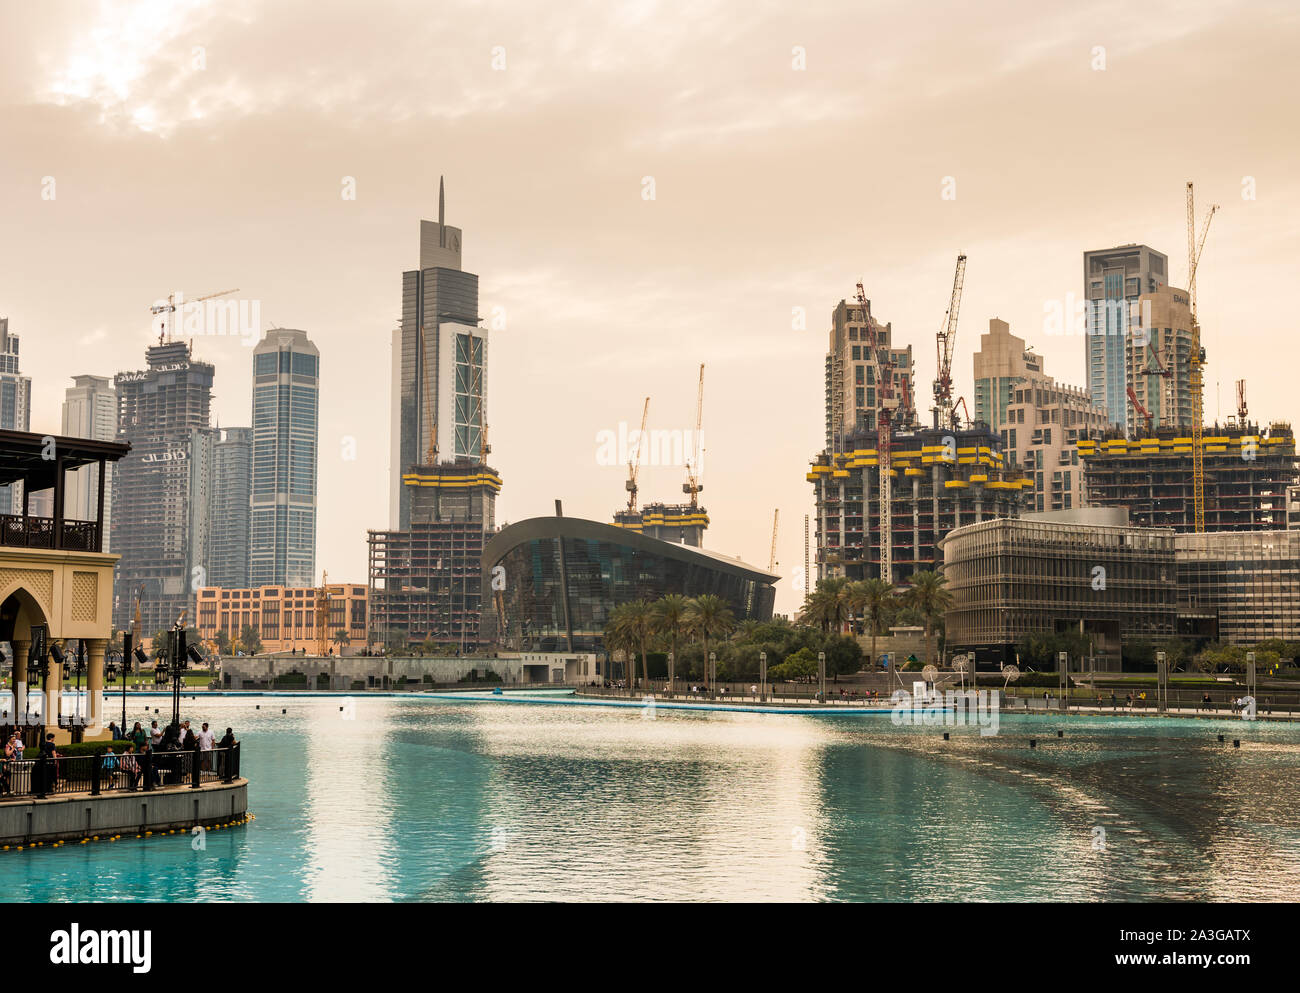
(1009,578)
(1250,583)
(286,406)
(604,566)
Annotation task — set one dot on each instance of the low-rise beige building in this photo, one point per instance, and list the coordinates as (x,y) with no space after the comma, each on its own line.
(284,617)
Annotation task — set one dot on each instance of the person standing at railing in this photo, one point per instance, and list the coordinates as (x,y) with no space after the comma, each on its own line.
(51,756)
(205,738)
(138,737)
(130,766)
(110,766)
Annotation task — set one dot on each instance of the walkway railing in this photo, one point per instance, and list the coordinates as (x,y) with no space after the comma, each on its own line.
(123,772)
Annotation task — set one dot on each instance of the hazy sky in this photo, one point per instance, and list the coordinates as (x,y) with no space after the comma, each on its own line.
(203,146)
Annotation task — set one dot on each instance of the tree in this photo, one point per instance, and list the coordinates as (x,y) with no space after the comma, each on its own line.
(671,614)
(342,638)
(249,640)
(709,616)
(928,595)
(827,606)
(636,621)
(224,645)
(799,665)
(617,638)
(875,600)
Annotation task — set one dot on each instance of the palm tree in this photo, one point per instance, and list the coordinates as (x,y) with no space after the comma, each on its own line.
(927,593)
(616,637)
(709,615)
(639,621)
(671,614)
(875,600)
(827,605)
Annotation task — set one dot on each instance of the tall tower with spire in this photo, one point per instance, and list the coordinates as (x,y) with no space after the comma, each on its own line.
(439,364)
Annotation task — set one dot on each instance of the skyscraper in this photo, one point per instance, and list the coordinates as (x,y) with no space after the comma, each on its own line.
(90,411)
(1114,279)
(15,406)
(286,415)
(229,515)
(439,364)
(163,412)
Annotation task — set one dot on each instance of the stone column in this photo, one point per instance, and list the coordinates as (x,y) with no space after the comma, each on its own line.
(20,679)
(96,722)
(53,687)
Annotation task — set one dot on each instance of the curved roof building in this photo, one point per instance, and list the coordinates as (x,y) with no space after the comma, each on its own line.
(554,580)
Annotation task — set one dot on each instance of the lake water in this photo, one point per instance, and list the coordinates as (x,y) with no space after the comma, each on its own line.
(426,800)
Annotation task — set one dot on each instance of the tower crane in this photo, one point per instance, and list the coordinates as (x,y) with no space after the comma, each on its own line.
(634,463)
(692,485)
(1197,358)
(170,306)
(1137,406)
(771,559)
(1243,415)
(887,403)
(945,411)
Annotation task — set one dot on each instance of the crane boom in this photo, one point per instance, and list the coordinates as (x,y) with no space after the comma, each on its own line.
(692,485)
(945,345)
(170,306)
(634,463)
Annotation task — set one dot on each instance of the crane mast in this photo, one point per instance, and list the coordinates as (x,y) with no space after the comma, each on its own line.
(771,559)
(634,463)
(1197,358)
(945,410)
(886,404)
(692,485)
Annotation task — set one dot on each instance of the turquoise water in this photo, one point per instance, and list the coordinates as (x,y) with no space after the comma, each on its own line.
(430,800)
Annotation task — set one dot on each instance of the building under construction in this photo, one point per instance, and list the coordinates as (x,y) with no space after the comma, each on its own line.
(426,580)
(679,522)
(941,479)
(1247,474)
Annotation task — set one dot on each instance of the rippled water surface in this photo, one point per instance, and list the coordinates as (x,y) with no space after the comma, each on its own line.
(424,800)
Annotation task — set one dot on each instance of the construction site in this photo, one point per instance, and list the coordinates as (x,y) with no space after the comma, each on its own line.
(683,523)
(888,488)
(1233,478)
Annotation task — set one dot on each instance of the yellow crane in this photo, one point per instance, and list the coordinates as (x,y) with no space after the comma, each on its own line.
(169,308)
(634,463)
(692,485)
(771,559)
(1197,358)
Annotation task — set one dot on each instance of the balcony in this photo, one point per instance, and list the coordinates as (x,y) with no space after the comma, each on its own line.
(46,532)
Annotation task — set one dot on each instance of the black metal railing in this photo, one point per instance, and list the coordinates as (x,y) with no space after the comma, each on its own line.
(43,532)
(98,774)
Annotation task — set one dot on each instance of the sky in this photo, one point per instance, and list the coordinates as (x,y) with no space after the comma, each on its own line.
(643,187)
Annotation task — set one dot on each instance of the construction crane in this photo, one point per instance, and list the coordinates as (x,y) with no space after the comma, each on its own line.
(771,559)
(887,403)
(634,463)
(692,485)
(1133,399)
(1197,358)
(945,411)
(1243,415)
(170,306)
(323,615)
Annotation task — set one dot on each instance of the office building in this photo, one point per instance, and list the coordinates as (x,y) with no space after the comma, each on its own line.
(15,407)
(285,619)
(162,410)
(1242,588)
(90,411)
(286,427)
(439,364)
(1039,420)
(1114,281)
(230,496)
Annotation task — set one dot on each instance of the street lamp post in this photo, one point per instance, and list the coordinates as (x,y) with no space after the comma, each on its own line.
(38,665)
(1162,681)
(821,676)
(762,676)
(713,673)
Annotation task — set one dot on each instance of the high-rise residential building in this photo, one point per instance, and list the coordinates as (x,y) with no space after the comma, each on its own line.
(439,364)
(1114,280)
(1159,361)
(90,411)
(15,406)
(1040,421)
(854,370)
(286,424)
(230,496)
(164,413)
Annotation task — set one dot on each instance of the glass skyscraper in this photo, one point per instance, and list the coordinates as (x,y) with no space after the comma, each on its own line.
(15,406)
(286,409)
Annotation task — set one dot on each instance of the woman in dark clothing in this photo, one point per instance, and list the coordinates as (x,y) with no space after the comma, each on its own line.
(138,737)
